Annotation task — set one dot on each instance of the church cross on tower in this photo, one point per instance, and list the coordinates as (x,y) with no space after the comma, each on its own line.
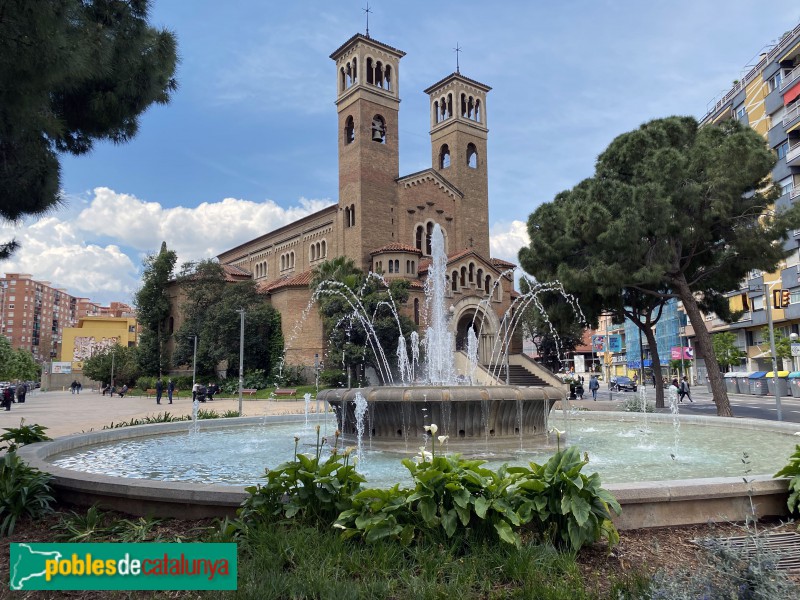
(367,11)
(457,50)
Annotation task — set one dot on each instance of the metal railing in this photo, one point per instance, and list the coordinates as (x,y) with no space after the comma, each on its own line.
(793,153)
(756,70)
(791,115)
(794,193)
(790,77)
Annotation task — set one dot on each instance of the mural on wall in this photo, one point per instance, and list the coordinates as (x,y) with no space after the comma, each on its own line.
(85,346)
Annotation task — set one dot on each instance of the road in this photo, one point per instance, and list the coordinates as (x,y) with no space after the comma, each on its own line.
(756,407)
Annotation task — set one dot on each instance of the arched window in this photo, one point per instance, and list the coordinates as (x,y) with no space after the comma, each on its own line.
(479,278)
(352,215)
(436,111)
(478,111)
(416,311)
(488,284)
(444,157)
(414,266)
(370,78)
(387,78)
(349,72)
(283,262)
(324,248)
(463,281)
(449,105)
(463,105)
(291,259)
(471,272)
(454,281)
(379,74)
(418,235)
(343,82)
(408,267)
(349,130)
(428,236)
(472,156)
(313,252)
(378,129)
(396,265)
(391,266)
(355,71)
(347,216)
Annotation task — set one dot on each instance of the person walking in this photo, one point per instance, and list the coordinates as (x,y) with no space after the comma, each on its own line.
(8,397)
(22,390)
(594,385)
(685,389)
(195,390)
(159,390)
(678,389)
(170,390)
(73,386)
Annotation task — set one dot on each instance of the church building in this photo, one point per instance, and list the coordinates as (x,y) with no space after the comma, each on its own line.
(383,220)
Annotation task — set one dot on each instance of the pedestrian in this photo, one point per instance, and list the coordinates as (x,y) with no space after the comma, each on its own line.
(73,386)
(22,390)
(170,389)
(210,390)
(678,389)
(685,389)
(8,397)
(635,378)
(594,385)
(579,389)
(195,389)
(123,390)
(159,390)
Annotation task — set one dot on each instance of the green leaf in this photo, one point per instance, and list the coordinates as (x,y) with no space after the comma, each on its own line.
(481,506)
(507,534)
(450,522)
(427,508)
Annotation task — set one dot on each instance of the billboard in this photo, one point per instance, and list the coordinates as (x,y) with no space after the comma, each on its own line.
(61,367)
(681,352)
(599,343)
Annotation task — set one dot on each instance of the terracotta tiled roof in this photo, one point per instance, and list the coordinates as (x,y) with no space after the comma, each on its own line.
(233,273)
(394,247)
(300,280)
(426,263)
(416,284)
(335,53)
(460,76)
(499,262)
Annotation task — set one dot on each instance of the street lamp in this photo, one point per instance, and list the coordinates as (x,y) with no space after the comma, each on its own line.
(194,362)
(241,358)
(793,337)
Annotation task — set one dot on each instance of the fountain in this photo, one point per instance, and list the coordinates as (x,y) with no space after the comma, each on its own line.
(463,411)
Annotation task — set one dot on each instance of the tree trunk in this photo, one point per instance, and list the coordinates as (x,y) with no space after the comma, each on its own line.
(651,340)
(704,346)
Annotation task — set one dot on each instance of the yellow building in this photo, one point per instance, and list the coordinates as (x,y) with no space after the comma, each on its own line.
(94,334)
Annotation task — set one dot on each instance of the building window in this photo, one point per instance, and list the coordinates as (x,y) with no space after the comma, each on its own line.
(741,113)
(416,311)
(774,82)
(391,266)
(349,131)
(782,150)
(444,157)
(396,265)
(472,156)
(786,185)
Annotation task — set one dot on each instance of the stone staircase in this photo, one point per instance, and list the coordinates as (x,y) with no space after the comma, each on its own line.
(519,375)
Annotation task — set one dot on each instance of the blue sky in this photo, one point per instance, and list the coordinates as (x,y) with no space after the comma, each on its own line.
(248,142)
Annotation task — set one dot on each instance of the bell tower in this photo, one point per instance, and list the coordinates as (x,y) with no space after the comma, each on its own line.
(367,102)
(459,134)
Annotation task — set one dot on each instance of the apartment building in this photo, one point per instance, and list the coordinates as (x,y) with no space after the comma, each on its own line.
(767,98)
(34,314)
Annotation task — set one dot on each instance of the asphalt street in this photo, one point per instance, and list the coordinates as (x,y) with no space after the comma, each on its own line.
(742,405)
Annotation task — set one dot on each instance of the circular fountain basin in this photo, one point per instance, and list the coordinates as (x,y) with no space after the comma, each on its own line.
(397,413)
(164,470)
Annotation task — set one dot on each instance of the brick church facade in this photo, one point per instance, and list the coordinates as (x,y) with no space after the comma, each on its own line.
(383,220)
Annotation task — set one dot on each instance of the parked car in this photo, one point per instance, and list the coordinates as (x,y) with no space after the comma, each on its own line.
(624,384)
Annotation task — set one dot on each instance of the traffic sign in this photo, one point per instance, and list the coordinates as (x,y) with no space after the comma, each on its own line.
(795,349)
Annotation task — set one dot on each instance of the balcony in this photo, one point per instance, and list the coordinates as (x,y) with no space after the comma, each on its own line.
(794,193)
(791,116)
(793,155)
(790,77)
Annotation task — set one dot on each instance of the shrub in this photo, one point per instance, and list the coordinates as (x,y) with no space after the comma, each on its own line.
(333,378)
(308,488)
(24,434)
(792,470)
(24,492)
(635,405)
(287,376)
(556,500)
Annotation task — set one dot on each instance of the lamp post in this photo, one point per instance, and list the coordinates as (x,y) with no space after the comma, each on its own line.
(241,358)
(772,348)
(194,362)
(793,337)
(113,352)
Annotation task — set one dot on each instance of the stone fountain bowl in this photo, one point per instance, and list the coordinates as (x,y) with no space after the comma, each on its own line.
(464,412)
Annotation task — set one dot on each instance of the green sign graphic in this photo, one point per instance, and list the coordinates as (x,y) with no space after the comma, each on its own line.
(123,567)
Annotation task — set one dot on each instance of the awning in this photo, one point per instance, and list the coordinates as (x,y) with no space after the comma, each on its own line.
(792,93)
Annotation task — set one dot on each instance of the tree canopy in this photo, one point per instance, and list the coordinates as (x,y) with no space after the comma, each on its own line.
(72,72)
(340,288)
(117,365)
(16,363)
(153,310)
(211,312)
(674,210)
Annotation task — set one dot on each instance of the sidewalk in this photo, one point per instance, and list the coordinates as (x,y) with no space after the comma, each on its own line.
(64,413)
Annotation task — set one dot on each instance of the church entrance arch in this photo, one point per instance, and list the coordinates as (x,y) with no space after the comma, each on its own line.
(470,314)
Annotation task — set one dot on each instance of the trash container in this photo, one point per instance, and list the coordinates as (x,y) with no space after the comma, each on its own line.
(743,381)
(758,383)
(782,381)
(794,384)
(731,383)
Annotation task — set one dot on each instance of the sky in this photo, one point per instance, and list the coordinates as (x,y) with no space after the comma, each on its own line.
(248,142)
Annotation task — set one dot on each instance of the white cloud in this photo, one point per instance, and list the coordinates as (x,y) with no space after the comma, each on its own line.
(97,251)
(506,239)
